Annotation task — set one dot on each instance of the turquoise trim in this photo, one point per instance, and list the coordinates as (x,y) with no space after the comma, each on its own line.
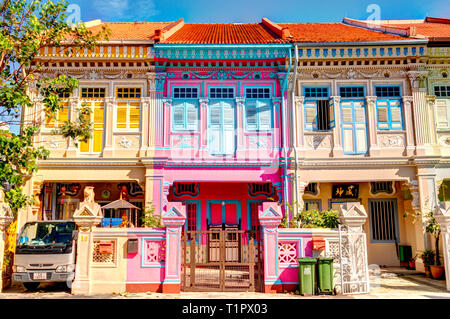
(155,265)
(220,201)
(219,144)
(354,127)
(249,211)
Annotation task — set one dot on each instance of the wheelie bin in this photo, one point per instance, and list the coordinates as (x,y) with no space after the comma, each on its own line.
(307,275)
(325,284)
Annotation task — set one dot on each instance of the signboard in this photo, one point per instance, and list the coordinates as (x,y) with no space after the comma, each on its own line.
(345,191)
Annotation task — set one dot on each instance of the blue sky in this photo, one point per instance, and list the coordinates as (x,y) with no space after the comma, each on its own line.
(254,10)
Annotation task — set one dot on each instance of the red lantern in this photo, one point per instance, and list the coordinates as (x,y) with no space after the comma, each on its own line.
(63,193)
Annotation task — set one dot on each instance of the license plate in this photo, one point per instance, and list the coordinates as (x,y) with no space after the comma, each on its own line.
(39,275)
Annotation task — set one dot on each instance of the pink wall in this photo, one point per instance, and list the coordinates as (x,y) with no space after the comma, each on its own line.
(140,270)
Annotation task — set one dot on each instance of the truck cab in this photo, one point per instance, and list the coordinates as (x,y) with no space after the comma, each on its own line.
(45,252)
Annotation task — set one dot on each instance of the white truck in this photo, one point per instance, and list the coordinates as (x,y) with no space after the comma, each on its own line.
(45,252)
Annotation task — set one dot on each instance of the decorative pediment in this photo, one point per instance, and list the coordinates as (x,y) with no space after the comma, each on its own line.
(352,210)
(175,214)
(353,215)
(89,213)
(270,214)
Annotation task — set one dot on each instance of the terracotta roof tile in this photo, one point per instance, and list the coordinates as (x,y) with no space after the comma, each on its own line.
(334,32)
(221,33)
(432,30)
(130,30)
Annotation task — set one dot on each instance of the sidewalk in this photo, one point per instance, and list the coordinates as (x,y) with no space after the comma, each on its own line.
(392,283)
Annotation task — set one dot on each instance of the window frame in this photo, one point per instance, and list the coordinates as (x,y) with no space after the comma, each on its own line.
(258,126)
(223,125)
(388,100)
(185,104)
(331,109)
(352,86)
(395,220)
(93,88)
(92,120)
(128,102)
(55,121)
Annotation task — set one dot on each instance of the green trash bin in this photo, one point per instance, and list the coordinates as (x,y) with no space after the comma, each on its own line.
(307,275)
(325,284)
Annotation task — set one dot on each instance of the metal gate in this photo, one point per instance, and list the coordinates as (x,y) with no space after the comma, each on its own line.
(222,260)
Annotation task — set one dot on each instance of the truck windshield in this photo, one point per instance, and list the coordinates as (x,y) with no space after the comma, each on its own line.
(46,234)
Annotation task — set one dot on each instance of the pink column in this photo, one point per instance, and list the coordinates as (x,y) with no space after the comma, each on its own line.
(270,216)
(173,219)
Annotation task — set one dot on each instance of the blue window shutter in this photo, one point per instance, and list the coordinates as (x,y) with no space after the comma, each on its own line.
(395,107)
(251,116)
(265,115)
(310,115)
(192,116)
(332,118)
(178,116)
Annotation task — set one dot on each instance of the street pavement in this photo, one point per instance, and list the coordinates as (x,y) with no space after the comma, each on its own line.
(390,283)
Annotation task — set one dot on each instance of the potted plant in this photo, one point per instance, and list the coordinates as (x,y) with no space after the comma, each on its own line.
(412,263)
(427,258)
(433,228)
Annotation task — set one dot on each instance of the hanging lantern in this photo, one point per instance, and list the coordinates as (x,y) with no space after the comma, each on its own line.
(63,193)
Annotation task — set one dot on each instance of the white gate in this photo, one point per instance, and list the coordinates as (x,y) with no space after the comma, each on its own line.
(351,271)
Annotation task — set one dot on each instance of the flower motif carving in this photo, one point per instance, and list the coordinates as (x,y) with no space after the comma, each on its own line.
(319,141)
(444,140)
(391,141)
(125,143)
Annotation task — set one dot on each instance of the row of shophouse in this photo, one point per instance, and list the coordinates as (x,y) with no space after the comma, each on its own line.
(226,117)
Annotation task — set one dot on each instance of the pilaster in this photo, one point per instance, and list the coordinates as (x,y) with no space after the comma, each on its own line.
(108,149)
(173,219)
(337,149)
(374,148)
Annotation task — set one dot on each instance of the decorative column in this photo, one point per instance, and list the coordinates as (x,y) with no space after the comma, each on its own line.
(299,124)
(144,128)
(442,215)
(420,237)
(173,219)
(160,80)
(301,191)
(86,217)
(430,103)
(337,135)
(409,125)
(372,125)
(270,216)
(108,150)
(150,117)
(416,79)
(6,218)
(240,125)
(353,216)
(203,143)
(73,113)
(163,126)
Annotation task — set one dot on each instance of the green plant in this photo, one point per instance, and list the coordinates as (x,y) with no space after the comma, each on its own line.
(427,257)
(150,219)
(313,218)
(433,228)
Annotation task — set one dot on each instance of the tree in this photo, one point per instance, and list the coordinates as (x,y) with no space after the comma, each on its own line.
(26,27)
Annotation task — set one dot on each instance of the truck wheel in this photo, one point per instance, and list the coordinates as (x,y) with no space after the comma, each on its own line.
(31,286)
